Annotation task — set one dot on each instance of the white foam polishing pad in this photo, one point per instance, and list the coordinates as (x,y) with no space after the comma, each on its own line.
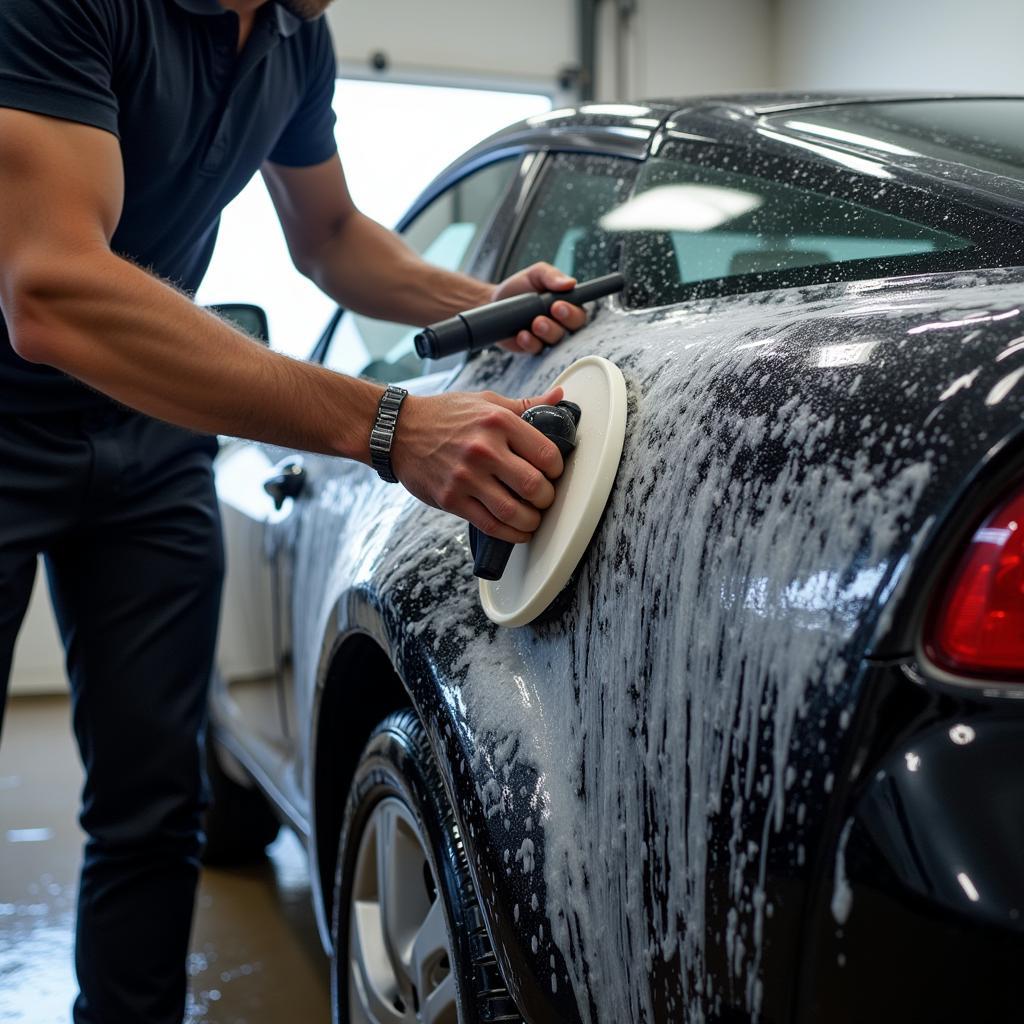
(538,571)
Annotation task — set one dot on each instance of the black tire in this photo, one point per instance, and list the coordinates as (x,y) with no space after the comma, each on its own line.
(398,763)
(239,823)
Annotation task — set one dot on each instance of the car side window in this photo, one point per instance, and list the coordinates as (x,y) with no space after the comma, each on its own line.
(445,233)
(694,229)
(563,225)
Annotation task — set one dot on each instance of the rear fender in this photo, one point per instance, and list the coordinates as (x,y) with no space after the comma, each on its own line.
(366,640)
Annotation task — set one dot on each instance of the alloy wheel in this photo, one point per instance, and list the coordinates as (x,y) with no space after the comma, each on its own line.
(399,950)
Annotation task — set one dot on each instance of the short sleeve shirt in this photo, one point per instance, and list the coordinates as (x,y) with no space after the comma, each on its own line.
(195,120)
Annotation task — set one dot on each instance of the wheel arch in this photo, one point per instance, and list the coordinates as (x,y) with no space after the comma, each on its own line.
(355,664)
(359,657)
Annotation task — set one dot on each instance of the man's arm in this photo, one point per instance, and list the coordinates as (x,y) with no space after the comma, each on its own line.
(371,270)
(72,303)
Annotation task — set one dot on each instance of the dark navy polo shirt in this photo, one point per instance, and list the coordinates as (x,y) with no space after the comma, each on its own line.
(194,117)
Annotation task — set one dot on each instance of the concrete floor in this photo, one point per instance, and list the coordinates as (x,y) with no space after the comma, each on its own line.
(255,955)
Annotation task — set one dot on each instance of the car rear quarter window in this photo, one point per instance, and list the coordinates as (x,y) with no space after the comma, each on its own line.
(563,224)
(693,228)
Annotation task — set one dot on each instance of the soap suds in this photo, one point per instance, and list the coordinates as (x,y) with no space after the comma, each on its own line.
(525,856)
(842,894)
(644,737)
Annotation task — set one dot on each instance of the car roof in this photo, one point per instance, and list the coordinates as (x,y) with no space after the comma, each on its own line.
(726,108)
(759,104)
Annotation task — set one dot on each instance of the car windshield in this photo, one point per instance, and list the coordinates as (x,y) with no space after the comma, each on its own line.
(987,134)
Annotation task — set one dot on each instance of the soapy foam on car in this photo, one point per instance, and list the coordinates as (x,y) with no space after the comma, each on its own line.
(742,637)
(718,596)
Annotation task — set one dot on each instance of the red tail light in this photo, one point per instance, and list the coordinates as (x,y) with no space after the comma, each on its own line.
(977,624)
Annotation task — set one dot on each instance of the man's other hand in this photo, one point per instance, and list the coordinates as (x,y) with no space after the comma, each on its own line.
(472,455)
(541,277)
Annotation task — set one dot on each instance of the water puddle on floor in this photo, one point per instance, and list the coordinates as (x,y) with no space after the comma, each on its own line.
(255,956)
(36,979)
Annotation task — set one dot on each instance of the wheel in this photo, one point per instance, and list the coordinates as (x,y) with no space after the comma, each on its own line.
(409,938)
(239,823)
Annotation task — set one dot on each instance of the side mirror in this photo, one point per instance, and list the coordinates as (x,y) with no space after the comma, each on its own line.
(249,319)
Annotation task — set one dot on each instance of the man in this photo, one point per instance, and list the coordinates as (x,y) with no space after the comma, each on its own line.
(125,127)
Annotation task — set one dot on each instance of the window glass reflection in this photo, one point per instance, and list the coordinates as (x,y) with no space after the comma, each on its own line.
(688,223)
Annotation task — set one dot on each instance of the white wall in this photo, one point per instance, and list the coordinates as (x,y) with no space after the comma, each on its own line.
(687,47)
(693,47)
(901,44)
(673,47)
(525,41)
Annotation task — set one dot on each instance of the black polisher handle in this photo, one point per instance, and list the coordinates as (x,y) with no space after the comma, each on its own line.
(477,328)
(557,422)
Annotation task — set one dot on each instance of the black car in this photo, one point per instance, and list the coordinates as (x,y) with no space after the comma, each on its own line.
(761,759)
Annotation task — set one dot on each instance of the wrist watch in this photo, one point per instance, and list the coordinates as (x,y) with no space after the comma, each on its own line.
(382,435)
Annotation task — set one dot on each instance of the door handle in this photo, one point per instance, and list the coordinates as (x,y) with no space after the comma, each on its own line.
(288,481)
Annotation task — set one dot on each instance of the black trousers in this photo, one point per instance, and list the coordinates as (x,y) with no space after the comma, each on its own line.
(124,510)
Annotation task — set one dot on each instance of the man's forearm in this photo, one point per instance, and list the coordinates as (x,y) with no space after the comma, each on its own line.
(369,269)
(120,330)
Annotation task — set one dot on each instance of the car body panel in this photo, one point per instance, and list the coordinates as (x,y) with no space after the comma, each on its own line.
(916,914)
(655,780)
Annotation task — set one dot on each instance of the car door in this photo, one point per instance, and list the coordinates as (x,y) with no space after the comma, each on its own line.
(264,489)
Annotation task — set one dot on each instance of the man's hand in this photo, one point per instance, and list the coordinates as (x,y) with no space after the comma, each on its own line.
(472,455)
(541,277)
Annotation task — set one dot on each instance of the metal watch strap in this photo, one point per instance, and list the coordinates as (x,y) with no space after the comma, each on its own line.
(382,435)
